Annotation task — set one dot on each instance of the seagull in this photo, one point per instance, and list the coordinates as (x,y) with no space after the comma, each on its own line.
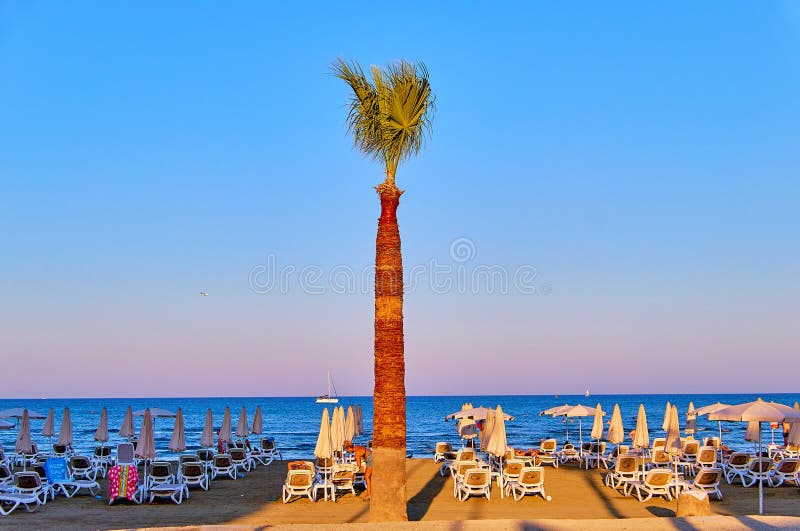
(204,294)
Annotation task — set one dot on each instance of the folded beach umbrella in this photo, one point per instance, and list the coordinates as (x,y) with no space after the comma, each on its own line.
(225,435)
(641,435)
(488,426)
(18,412)
(337,428)
(207,437)
(794,434)
(597,426)
(178,441)
(146,447)
(241,427)
(616,433)
(498,445)
(673,442)
(127,430)
(667,412)
(758,411)
(691,420)
(23,443)
(350,425)
(360,420)
(796,406)
(323,448)
(48,430)
(258,421)
(101,434)
(65,433)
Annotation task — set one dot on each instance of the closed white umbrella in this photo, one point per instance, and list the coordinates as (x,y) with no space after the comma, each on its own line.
(241,427)
(225,435)
(65,433)
(101,433)
(177,442)
(350,424)
(616,432)
(667,413)
(641,435)
(323,448)
(691,420)
(49,430)
(258,419)
(673,442)
(498,445)
(360,420)
(597,429)
(146,447)
(23,444)
(127,430)
(488,426)
(207,437)
(794,434)
(337,429)
(757,411)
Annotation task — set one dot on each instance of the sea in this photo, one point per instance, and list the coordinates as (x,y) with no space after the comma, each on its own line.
(295,422)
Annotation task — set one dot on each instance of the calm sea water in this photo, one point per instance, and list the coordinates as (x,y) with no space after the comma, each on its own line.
(294,422)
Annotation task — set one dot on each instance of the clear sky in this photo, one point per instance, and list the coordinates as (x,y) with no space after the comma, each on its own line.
(642,157)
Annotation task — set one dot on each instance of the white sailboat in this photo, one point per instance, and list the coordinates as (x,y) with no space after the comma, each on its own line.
(586,394)
(331,397)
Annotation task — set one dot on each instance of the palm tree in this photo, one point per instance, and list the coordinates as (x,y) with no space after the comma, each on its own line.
(389,117)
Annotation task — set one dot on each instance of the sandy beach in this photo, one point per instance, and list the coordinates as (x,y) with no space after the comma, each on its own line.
(254,501)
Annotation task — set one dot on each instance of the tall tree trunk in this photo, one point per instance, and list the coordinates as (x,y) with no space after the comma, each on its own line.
(389,421)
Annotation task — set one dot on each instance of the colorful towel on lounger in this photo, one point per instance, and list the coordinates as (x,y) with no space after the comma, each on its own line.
(122,481)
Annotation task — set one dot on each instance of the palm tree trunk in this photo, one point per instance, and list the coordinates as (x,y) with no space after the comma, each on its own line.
(389,421)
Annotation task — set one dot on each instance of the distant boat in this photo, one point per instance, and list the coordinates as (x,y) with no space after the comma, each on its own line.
(331,397)
(586,394)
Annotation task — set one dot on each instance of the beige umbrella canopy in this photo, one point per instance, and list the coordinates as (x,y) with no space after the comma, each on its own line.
(49,430)
(127,430)
(18,412)
(752,433)
(641,435)
(177,442)
(616,432)
(477,413)
(667,413)
(258,420)
(498,445)
(23,443)
(225,435)
(207,437)
(323,449)
(6,425)
(555,411)
(673,442)
(146,447)
(597,425)
(350,424)
(712,408)
(580,411)
(65,433)
(101,433)
(241,427)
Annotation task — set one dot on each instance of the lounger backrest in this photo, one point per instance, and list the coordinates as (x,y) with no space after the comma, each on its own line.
(788,466)
(549,445)
(531,476)
(80,462)
(586,447)
(761,465)
(188,458)
(125,454)
(27,480)
(237,454)
(324,463)
(463,466)
(708,477)
(513,467)
(660,456)
(205,455)
(691,448)
(442,447)
(5,473)
(739,459)
(658,478)
(465,454)
(299,478)
(60,448)
(39,469)
(160,469)
(267,444)
(102,451)
(476,477)
(192,469)
(707,454)
(222,460)
(56,469)
(626,464)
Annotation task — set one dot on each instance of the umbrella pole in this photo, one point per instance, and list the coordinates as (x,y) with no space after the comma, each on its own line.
(580,430)
(760,469)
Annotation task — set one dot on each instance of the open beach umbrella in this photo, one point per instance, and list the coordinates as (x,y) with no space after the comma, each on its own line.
(558,411)
(350,425)
(691,420)
(597,428)
(146,447)
(498,445)
(23,444)
(580,411)
(241,427)
(207,437)
(155,413)
(757,411)
(49,430)
(177,442)
(65,433)
(127,430)
(616,433)
(225,435)
(101,434)
(323,449)
(18,412)
(667,413)
(474,413)
(258,421)
(6,425)
(712,408)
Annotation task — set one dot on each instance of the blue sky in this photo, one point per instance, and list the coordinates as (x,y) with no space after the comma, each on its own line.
(643,158)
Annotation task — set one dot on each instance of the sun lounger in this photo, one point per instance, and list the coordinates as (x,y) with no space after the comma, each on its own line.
(82,467)
(758,470)
(172,491)
(657,482)
(102,460)
(626,471)
(222,465)
(193,473)
(299,482)
(61,480)
(160,473)
(736,467)
(343,479)
(474,482)
(10,501)
(707,480)
(240,459)
(531,481)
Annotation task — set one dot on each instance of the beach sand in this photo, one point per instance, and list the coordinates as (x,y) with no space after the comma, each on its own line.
(255,501)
